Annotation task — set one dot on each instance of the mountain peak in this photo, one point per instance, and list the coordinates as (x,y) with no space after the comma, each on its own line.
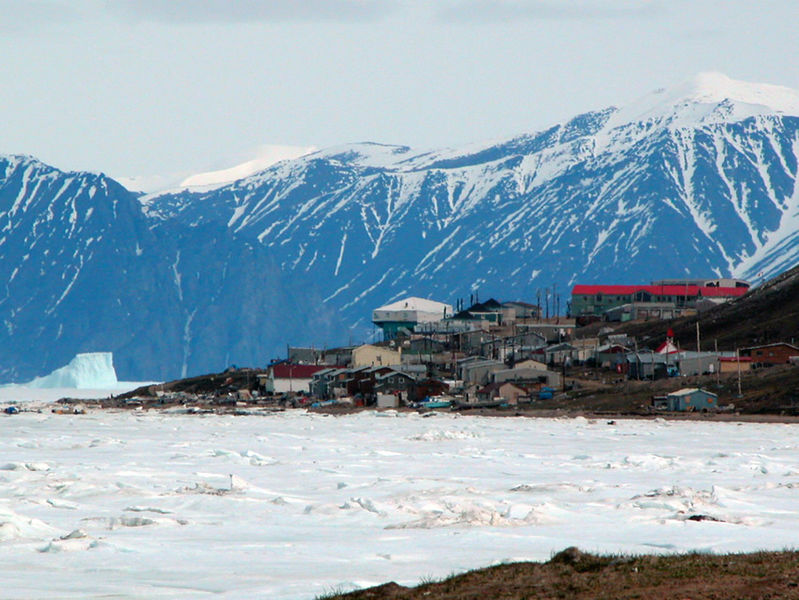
(712,88)
(708,97)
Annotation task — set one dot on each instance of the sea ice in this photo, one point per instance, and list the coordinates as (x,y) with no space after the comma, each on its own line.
(295,504)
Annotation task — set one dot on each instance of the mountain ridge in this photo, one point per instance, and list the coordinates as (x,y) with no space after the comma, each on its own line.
(332,234)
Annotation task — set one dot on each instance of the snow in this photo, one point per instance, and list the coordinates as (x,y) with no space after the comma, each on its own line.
(267,156)
(698,100)
(293,504)
(419,304)
(89,370)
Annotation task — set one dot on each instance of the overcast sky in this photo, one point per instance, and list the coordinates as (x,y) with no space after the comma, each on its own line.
(160,86)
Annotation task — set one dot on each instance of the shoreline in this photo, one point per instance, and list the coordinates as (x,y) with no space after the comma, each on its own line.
(255,409)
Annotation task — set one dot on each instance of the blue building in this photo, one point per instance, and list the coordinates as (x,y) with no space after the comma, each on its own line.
(692,399)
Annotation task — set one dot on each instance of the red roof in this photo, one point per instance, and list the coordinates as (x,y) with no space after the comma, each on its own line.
(284,371)
(659,290)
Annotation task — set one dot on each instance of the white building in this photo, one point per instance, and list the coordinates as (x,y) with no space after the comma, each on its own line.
(404,315)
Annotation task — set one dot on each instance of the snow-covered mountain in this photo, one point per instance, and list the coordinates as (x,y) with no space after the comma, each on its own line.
(700,179)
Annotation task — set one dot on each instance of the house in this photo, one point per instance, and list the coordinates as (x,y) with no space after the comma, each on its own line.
(505,390)
(337,384)
(528,374)
(429,386)
(696,363)
(556,330)
(646,364)
(402,316)
(478,370)
(692,399)
(779,353)
(559,354)
(284,378)
(530,363)
(524,310)
(646,311)
(731,364)
(370,356)
(611,355)
(490,311)
(394,382)
(321,382)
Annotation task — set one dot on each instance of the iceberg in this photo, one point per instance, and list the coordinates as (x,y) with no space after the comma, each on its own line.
(89,370)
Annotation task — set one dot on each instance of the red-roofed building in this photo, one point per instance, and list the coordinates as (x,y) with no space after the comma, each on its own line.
(595,300)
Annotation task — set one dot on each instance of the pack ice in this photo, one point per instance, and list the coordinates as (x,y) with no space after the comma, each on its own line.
(151,504)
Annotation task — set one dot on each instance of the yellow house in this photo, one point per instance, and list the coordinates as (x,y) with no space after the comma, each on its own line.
(375,356)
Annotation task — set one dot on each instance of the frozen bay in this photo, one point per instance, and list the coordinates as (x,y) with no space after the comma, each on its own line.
(148,504)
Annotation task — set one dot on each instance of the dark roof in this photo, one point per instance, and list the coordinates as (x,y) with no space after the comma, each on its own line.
(463,315)
(287,371)
(520,303)
(489,305)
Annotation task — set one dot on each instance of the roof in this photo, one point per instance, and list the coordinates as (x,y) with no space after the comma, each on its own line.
(489,305)
(612,348)
(394,373)
(286,371)
(689,391)
(732,359)
(420,304)
(520,303)
(495,386)
(559,347)
(659,290)
(667,347)
(771,346)
(326,371)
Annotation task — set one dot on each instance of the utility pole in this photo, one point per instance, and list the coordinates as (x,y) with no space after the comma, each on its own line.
(697,336)
(555,299)
(546,301)
(738,361)
(538,293)
(637,361)
(718,362)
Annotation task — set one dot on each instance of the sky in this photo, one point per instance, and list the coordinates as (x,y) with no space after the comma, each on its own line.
(154,87)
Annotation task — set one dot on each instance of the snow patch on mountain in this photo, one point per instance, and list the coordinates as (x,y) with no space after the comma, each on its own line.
(266,157)
(708,98)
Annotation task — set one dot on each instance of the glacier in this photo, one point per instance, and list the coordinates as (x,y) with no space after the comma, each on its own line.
(697,180)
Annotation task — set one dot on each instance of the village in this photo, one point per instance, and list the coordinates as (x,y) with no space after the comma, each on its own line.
(505,355)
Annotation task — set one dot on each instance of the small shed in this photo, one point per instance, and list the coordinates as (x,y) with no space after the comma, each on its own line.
(732,364)
(692,399)
(501,391)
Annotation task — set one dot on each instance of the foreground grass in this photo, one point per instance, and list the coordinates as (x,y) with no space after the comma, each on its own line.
(572,574)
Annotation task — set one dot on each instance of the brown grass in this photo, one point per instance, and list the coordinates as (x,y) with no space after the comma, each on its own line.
(575,575)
